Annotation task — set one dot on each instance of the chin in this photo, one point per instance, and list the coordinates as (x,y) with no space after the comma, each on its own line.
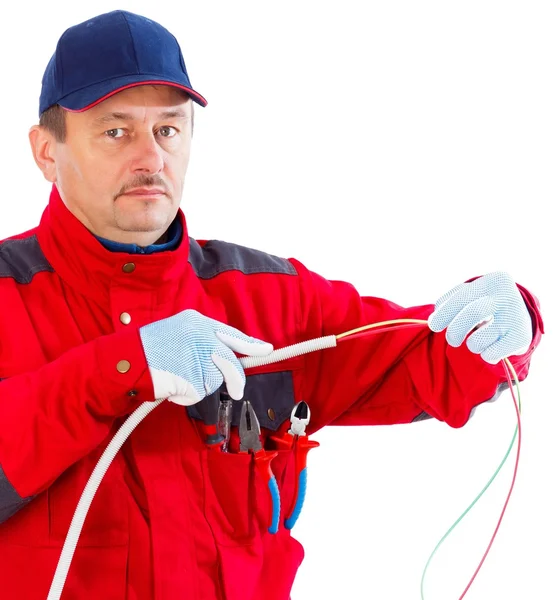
(153,211)
(145,221)
(149,227)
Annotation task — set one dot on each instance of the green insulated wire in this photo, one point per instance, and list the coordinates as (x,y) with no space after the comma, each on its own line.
(481,493)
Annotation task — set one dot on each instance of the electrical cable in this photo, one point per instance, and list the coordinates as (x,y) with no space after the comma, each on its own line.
(247,362)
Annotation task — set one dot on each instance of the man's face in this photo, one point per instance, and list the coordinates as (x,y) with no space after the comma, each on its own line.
(138,138)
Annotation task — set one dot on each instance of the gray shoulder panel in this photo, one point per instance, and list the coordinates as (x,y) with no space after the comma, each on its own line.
(216,257)
(10,500)
(421,417)
(21,258)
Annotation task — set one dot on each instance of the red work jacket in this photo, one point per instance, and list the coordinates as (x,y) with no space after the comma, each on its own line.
(173,520)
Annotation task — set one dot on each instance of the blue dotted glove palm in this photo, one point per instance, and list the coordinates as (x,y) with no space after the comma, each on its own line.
(494,301)
(190,356)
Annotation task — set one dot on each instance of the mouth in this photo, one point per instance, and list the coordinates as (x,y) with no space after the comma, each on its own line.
(145,192)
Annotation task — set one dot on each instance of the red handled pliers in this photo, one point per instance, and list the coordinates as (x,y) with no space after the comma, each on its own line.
(295,436)
(249,438)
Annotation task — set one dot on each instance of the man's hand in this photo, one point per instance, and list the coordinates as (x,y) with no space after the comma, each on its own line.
(190,355)
(494,304)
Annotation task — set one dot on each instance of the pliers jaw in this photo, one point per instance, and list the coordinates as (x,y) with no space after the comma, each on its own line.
(249,429)
(299,418)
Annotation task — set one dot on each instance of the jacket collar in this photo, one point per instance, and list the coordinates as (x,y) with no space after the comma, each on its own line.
(174,233)
(83,261)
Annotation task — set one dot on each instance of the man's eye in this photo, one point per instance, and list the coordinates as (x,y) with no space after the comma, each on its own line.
(112,133)
(168,131)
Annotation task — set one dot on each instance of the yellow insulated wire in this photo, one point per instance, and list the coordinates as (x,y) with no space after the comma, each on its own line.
(380,324)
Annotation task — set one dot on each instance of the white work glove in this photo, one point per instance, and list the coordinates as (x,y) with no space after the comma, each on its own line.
(190,356)
(495,301)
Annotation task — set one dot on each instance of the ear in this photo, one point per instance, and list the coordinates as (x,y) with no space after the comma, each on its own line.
(43,146)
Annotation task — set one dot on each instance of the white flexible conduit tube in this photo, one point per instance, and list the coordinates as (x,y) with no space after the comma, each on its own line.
(122,434)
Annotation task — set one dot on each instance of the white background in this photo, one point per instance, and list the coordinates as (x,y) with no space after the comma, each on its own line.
(404,146)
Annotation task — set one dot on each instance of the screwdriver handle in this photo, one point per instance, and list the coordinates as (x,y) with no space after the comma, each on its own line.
(225,412)
(208,409)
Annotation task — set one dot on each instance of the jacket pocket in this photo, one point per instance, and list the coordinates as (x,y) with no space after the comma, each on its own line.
(229,496)
(237,500)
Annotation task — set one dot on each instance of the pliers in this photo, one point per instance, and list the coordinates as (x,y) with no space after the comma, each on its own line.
(296,437)
(249,438)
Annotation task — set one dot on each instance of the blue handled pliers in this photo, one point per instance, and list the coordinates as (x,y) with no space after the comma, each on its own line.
(296,437)
(249,437)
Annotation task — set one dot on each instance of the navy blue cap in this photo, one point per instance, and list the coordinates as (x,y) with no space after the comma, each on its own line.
(109,53)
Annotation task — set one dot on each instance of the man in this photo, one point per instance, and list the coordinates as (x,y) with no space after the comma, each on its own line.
(109,304)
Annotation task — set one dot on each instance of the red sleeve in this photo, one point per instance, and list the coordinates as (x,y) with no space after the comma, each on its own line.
(52,417)
(392,377)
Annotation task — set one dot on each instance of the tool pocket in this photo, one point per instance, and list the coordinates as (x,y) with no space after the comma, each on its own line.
(252,562)
(236,500)
(229,496)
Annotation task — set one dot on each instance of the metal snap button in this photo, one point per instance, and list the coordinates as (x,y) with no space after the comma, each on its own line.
(123,366)
(125,318)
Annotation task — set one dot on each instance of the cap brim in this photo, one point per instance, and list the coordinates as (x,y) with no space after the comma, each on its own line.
(88,97)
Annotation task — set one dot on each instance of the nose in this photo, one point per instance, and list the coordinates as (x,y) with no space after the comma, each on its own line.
(147,155)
